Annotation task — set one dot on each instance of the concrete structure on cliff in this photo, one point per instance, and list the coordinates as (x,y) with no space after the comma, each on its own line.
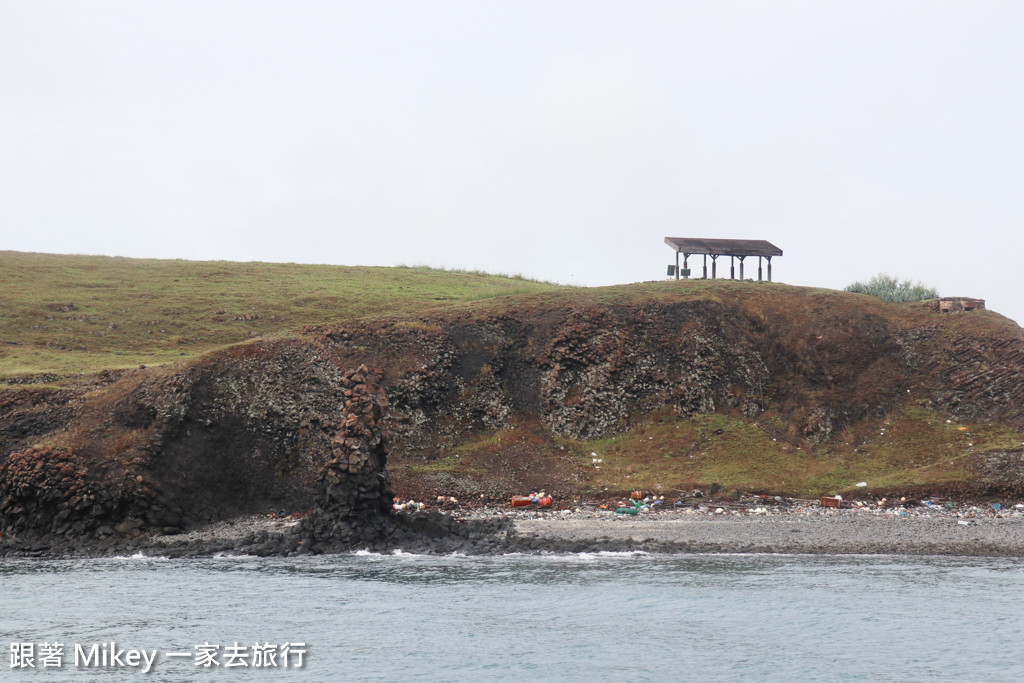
(734,249)
(958,304)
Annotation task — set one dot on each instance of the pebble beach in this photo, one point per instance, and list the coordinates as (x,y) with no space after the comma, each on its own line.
(969,530)
(840,532)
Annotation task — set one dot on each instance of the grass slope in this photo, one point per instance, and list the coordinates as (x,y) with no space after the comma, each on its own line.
(915,452)
(82,314)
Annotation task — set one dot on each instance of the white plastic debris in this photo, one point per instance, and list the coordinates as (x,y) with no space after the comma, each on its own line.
(862,484)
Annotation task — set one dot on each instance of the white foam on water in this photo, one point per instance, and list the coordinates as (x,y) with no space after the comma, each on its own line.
(139,556)
(565,557)
(230,556)
(403,555)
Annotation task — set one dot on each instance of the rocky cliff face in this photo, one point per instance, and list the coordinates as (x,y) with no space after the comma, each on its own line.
(353,494)
(584,372)
(251,429)
(297,424)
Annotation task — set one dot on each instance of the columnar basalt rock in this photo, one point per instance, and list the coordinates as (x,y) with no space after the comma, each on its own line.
(48,496)
(353,499)
(597,369)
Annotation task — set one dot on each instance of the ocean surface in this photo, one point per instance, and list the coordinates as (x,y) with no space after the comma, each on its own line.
(581,617)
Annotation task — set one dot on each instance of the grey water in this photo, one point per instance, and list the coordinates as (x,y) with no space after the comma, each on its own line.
(573,617)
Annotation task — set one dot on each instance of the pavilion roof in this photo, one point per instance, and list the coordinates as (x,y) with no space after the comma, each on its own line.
(697,245)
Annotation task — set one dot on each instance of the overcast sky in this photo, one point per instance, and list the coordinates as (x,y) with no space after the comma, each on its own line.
(559,140)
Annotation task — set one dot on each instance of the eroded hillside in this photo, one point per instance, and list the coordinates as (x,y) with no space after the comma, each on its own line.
(662,386)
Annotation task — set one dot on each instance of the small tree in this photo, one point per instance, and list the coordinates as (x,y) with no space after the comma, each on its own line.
(888,288)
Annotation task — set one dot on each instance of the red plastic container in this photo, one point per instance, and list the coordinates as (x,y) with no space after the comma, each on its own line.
(526,501)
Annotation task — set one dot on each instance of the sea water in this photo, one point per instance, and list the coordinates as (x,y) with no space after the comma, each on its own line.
(570,617)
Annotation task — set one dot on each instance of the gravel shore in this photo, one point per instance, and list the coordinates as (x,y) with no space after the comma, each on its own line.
(226,535)
(830,532)
(920,531)
(806,528)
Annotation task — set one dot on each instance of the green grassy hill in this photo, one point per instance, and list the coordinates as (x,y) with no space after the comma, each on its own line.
(82,314)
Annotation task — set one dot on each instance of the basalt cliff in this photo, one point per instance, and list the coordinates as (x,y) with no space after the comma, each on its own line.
(516,394)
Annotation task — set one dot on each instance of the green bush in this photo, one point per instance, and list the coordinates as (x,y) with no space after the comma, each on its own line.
(888,288)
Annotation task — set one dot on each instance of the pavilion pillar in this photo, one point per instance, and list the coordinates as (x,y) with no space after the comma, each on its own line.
(732,267)
(677,265)
(741,265)
(769,259)
(705,266)
(758,268)
(714,266)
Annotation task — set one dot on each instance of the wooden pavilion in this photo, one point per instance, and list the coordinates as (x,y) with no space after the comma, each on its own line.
(734,249)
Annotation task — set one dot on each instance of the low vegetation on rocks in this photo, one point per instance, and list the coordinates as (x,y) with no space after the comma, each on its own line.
(889,288)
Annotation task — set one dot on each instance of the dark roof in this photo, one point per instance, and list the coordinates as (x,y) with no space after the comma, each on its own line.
(695,245)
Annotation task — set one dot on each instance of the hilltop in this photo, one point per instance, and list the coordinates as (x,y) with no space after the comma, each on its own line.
(589,393)
(62,315)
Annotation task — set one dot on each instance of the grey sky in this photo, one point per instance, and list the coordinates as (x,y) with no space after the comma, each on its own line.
(560,140)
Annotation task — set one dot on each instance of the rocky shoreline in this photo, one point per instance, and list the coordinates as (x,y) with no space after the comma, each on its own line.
(61,503)
(968,530)
(138,460)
